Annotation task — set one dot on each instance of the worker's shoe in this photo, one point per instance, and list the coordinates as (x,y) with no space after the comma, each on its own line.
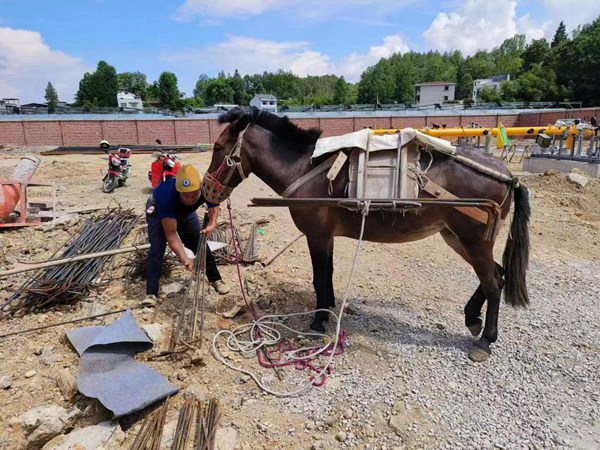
(220,286)
(150,301)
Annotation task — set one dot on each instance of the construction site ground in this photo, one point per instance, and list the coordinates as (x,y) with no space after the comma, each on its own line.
(404,381)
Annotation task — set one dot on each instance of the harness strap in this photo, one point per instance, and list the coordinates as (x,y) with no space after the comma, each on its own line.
(440,193)
(233,160)
(483,169)
(309,176)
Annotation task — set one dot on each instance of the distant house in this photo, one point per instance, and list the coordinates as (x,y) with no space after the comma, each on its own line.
(434,92)
(29,108)
(494,83)
(10,106)
(266,102)
(129,101)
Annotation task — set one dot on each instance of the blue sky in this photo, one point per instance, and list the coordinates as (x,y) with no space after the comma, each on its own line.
(59,40)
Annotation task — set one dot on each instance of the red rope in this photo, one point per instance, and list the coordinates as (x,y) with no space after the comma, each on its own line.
(266,358)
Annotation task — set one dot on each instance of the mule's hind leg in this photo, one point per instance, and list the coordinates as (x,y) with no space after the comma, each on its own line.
(473,312)
(482,259)
(473,307)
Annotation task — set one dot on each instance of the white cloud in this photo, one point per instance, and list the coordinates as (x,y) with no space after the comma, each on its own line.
(311,63)
(480,24)
(483,24)
(355,64)
(27,64)
(251,56)
(572,12)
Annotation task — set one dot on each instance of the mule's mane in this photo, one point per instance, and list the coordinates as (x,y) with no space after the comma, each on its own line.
(280,126)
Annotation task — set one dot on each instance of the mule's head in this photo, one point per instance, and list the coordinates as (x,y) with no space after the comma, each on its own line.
(227,168)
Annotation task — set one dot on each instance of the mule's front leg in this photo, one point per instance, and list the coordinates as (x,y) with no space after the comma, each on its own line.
(319,255)
(330,293)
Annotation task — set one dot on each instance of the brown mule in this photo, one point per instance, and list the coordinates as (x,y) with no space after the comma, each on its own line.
(278,152)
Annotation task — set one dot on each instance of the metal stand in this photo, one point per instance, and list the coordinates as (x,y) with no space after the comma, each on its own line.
(29,212)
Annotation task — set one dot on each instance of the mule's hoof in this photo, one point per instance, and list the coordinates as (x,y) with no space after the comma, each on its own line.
(317,326)
(479,354)
(475,329)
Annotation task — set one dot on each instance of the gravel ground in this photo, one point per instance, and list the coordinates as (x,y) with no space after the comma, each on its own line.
(405,380)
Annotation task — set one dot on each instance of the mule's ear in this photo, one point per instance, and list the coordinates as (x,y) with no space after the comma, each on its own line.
(232,115)
(241,123)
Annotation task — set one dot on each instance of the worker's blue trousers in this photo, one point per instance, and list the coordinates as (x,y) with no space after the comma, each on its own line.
(188,228)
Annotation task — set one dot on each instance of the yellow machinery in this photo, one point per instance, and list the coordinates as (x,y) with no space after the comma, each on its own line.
(459,132)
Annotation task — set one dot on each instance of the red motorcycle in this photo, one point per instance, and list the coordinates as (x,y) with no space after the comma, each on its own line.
(118,167)
(165,165)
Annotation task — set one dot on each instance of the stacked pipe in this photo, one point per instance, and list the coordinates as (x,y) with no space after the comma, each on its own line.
(67,283)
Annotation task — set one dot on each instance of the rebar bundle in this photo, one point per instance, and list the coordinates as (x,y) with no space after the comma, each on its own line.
(66,284)
(222,234)
(226,255)
(249,255)
(135,264)
(150,435)
(203,415)
(187,320)
(206,424)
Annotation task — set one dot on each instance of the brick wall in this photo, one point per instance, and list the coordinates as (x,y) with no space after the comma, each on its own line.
(194,131)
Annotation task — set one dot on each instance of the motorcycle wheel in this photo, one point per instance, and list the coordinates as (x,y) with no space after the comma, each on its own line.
(109,183)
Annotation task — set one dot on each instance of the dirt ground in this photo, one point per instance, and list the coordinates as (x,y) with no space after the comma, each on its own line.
(413,277)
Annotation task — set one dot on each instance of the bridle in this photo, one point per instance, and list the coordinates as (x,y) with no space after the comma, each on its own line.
(215,190)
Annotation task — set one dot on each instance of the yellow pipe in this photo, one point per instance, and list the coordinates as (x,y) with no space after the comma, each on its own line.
(510,131)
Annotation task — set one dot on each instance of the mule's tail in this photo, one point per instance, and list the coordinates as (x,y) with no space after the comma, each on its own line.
(516,254)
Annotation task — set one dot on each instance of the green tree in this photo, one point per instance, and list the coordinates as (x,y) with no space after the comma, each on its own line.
(464,87)
(106,85)
(536,52)
(341,91)
(134,82)
(489,95)
(577,64)
(219,90)
(168,92)
(560,35)
(101,85)
(480,65)
(507,56)
(152,91)
(537,84)
(237,85)
(85,93)
(51,97)
(200,88)
(281,84)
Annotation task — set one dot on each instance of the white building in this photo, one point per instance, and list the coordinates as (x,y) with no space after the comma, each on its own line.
(494,83)
(129,101)
(434,92)
(264,101)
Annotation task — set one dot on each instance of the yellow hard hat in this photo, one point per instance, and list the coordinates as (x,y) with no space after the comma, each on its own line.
(188,179)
